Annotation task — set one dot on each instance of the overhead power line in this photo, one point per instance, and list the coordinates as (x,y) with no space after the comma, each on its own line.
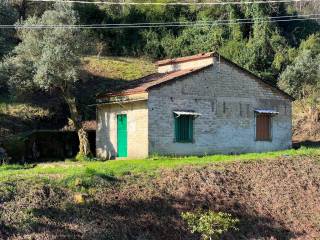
(175,3)
(287,18)
(238,20)
(141,26)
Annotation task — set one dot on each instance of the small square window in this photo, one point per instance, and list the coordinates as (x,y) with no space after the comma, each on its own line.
(184,128)
(263,127)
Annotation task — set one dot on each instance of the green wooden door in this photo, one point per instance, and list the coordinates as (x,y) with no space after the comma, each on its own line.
(122,135)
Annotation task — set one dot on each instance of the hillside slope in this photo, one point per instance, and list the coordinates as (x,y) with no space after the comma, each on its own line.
(47,110)
(274,199)
(118,68)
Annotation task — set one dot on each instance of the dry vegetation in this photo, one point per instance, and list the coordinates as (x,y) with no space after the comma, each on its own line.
(118,68)
(305,127)
(274,199)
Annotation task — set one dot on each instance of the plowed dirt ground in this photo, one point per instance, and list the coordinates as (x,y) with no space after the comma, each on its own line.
(274,199)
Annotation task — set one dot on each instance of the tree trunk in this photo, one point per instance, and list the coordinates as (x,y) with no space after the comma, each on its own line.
(22,6)
(84,144)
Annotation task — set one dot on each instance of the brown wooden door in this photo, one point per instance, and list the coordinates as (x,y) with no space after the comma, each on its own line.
(263,127)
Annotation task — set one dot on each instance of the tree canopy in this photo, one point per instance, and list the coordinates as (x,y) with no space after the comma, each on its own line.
(302,77)
(50,59)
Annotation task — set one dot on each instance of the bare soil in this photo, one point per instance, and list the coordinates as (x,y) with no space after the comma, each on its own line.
(274,199)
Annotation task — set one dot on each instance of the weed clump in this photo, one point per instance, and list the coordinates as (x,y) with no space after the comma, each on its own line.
(82,158)
(211,225)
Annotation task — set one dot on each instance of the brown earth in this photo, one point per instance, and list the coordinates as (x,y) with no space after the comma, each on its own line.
(274,199)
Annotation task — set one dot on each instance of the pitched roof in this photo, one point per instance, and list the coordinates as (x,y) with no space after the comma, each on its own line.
(185,59)
(145,83)
(158,79)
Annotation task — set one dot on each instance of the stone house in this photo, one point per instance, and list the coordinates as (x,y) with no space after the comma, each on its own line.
(196,105)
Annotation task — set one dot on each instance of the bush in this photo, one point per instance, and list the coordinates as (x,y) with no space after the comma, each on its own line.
(15,147)
(211,225)
(80,157)
(4,158)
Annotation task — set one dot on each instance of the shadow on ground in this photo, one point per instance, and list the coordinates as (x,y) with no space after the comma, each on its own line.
(306,143)
(154,219)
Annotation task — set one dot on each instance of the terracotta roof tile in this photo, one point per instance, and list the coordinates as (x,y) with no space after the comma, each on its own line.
(87,125)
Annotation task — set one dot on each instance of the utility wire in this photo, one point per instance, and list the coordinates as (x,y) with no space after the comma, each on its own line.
(175,3)
(142,26)
(149,25)
(238,20)
(201,21)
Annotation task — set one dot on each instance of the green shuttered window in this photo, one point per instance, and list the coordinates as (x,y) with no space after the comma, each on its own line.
(184,128)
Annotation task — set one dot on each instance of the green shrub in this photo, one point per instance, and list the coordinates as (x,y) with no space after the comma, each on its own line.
(4,159)
(15,147)
(211,225)
(80,157)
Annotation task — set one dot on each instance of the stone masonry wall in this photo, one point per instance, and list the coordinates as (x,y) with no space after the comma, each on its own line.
(137,127)
(226,97)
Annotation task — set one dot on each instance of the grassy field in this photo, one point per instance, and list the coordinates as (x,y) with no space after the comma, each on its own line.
(111,169)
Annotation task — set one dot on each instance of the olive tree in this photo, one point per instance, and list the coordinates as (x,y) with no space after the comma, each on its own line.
(302,80)
(49,58)
(302,73)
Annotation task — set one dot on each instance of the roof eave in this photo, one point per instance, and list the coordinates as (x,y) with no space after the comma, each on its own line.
(120,94)
(123,98)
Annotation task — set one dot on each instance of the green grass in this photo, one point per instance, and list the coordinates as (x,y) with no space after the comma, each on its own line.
(69,169)
(118,67)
